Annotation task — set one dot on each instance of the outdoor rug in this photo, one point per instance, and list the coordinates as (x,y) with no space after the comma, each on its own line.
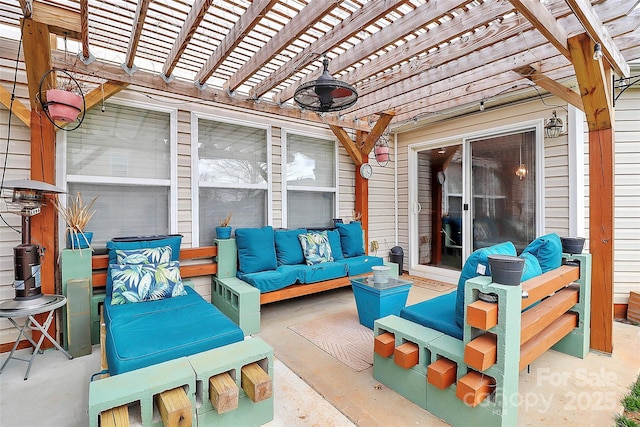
(342,336)
(434,285)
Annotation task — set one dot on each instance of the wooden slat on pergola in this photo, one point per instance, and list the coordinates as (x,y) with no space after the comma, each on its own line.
(409,60)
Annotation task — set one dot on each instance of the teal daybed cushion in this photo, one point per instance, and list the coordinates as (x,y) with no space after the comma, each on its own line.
(147,333)
(548,250)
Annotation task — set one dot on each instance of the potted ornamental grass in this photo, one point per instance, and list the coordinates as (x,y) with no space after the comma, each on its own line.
(76,215)
(223,231)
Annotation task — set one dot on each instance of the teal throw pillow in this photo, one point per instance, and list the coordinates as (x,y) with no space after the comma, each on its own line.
(145,282)
(548,250)
(256,249)
(316,247)
(128,243)
(478,265)
(288,249)
(158,255)
(351,239)
(336,246)
(531,267)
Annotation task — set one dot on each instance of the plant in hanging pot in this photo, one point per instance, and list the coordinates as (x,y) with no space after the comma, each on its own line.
(65,101)
(76,214)
(224,230)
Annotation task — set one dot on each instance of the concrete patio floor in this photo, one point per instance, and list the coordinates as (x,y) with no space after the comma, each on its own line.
(314,389)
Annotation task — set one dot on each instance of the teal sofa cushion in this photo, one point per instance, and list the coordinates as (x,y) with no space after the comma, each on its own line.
(256,249)
(273,280)
(351,239)
(531,267)
(361,264)
(140,242)
(323,271)
(437,313)
(548,250)
(336,246)
(478,265)
(288,249)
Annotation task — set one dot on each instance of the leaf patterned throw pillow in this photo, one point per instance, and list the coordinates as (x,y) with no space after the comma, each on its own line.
(157,255)
(316,247)
(145,282)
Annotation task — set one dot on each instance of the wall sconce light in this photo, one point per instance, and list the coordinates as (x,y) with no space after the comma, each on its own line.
(597,52)
(481,105)
(553,128)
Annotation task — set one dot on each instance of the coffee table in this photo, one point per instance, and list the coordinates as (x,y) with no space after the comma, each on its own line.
(377,300)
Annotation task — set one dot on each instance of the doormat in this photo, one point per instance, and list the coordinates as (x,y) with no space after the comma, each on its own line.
(434,285)
(342,336)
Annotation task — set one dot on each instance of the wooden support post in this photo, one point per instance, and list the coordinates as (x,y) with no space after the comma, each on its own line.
(474,387)
(115,417)
(482,315)
(384,344)
(442,373)
(223,393)
(406,355)
(174,407)
(481,352)
(256,382)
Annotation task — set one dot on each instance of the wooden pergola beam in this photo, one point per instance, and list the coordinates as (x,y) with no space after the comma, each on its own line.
(561,91)
(101,93)
(136,32)
(84,29)
(18,109)
(62,22)
(545,22)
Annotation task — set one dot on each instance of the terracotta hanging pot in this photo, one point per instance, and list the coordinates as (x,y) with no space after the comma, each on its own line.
(382,153)
(63,105)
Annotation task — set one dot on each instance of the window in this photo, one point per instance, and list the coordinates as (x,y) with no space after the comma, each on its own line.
(233,173)
(310,188)
(124,157)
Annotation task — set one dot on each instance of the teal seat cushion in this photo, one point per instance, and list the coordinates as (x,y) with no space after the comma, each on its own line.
(273,280)
(548,250)
(336,246)
(437,313)
(351,238)
(142,242)
(478,265)
(361,264)
(288,249)
(322,271)
(256,249)
(147,333)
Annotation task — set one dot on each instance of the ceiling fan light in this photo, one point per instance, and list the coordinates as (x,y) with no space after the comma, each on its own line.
(325,94)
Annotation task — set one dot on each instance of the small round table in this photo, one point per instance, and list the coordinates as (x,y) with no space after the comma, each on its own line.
(49,305)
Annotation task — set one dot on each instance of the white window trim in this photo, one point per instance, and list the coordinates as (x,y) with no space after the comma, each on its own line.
(285,187)
(195,172)
(63,179)
(464,140)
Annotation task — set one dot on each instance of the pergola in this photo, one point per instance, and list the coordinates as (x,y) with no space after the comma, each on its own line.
(409,60)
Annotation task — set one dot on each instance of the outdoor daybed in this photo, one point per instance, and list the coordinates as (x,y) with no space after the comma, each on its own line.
(167,348)
(459,356)
(263,265)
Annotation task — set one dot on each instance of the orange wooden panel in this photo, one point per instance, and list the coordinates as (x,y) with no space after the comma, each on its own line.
(300,290)
(474,387)
(542,315)
(406,355)
(547,338)
(442,373)
(548,283)
(384,344)
(482,315)
(481,352)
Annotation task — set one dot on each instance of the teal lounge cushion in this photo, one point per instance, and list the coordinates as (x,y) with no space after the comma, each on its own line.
(531,267)
(362,264)
(336,246)
(322,271)
(273,280)
(548,250)
(145,282)
(256,249)
(351,238)
(141,242)
(478,265)
(437,313)
(288,249)
(315,247)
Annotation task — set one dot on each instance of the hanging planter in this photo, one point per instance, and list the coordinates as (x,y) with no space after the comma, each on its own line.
(63,105)
(382,153)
